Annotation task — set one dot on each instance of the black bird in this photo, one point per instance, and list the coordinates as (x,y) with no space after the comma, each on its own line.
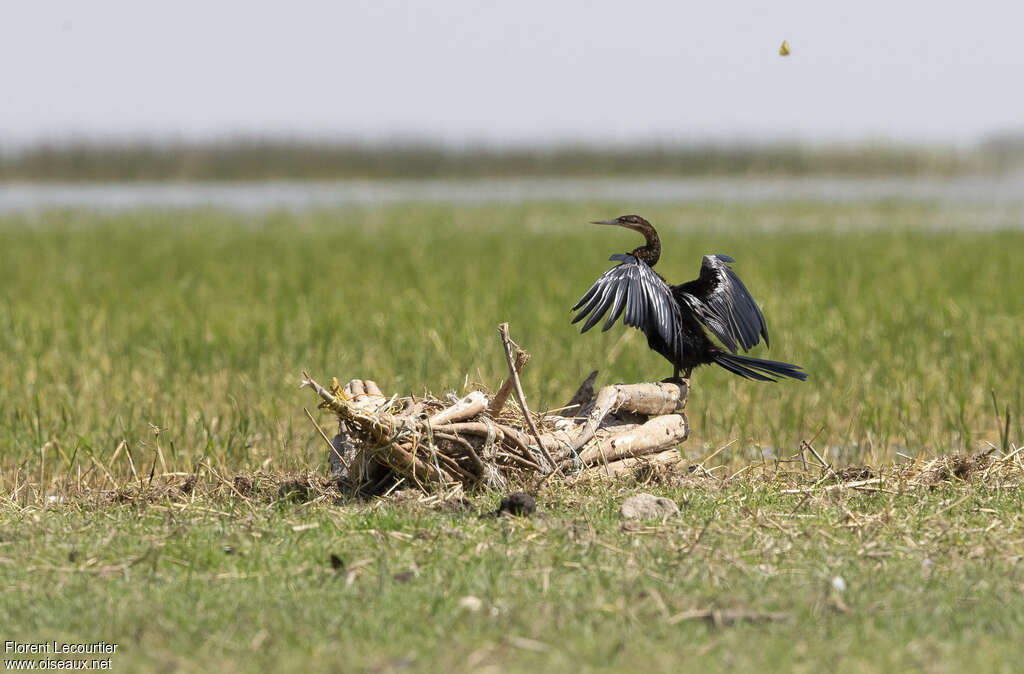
(674,317)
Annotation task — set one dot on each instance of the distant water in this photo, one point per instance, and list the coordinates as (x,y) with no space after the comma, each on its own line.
(1001,190)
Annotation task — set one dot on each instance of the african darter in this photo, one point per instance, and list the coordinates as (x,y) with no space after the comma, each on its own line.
(678,318)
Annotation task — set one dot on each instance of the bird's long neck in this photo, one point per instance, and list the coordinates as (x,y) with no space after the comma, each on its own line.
(651,251)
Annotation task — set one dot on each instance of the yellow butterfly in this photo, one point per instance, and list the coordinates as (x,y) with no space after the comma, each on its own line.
(784,49)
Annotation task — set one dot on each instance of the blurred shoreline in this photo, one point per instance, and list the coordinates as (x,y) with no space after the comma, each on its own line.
(256,159)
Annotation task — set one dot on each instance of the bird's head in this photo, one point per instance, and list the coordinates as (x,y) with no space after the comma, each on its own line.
(634,222)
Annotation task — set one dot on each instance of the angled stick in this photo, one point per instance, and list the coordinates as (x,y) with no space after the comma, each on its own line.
(498,402)
(330,445)
(520,397)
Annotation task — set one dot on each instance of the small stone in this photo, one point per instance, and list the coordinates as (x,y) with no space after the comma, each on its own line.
(519,504)
(648,507)
(471,604)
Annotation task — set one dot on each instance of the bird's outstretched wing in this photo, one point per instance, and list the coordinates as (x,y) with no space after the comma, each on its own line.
(634,288)
(723,304)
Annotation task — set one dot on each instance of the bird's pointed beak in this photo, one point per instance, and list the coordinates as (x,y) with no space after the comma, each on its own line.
(604,222)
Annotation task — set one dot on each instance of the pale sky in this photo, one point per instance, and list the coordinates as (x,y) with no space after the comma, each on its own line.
(470,71)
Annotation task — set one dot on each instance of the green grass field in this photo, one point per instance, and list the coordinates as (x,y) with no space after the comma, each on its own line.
(244,585)
(907,318)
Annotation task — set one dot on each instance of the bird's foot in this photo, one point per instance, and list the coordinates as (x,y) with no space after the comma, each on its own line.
(674,380)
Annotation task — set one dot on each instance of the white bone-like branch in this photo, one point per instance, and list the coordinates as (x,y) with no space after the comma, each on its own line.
(466,408)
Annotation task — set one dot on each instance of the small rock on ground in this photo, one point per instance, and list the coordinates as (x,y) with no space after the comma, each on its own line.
(648,507)
(471,603)
(519,504)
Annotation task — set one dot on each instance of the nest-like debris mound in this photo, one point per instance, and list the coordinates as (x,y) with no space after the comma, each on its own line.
(990,467)
(479,441)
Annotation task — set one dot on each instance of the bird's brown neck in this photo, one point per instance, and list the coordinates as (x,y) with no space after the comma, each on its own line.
(651,252)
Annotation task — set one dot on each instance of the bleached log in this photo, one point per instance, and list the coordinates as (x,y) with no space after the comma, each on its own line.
(649,399)
(628,465)
(668,430)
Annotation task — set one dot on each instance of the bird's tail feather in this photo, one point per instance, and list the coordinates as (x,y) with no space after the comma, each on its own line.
(759,369)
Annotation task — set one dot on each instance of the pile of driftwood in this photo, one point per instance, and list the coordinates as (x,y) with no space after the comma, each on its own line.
(479,441)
